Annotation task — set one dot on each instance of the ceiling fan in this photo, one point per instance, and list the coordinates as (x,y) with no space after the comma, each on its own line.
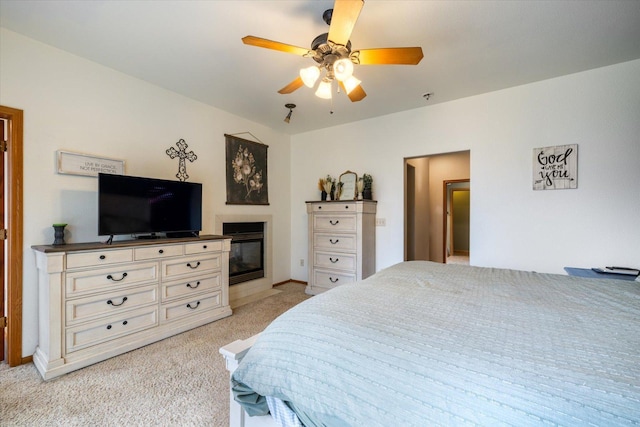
(332,52)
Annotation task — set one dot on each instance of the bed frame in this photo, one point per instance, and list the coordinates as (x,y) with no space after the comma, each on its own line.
(233,354)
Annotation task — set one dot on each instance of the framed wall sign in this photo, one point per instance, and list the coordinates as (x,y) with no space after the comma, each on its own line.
(555,167)
(84,164)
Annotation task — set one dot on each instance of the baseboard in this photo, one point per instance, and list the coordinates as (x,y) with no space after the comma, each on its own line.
(461,253)
(289,281)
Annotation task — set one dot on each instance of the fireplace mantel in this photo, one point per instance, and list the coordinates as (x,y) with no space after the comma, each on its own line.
(246,289)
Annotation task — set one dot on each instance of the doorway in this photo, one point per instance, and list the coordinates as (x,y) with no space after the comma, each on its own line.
(11,120)
(457,215)
(425,202)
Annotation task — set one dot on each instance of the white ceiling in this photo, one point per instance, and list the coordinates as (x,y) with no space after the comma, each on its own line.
(470,47)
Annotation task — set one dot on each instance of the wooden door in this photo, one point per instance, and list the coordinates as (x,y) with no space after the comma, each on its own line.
(3,314)
(12,120)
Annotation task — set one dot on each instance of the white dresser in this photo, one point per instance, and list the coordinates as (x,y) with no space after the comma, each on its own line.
(97,301)
(342,243)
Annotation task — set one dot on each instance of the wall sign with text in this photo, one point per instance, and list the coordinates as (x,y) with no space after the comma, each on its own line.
(82,164)
(555,167)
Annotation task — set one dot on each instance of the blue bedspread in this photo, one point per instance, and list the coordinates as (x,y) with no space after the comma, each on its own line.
(422,344)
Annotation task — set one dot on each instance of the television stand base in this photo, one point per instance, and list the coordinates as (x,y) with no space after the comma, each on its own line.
(179,234)
(148,236)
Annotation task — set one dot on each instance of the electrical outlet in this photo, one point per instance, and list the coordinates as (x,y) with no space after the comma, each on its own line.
(301,262)
(381,222)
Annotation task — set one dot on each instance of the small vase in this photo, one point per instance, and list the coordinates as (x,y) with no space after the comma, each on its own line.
(323,196)
(58,234)
(366,194)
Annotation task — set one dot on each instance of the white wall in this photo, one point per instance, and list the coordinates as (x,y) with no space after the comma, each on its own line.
(512,226)
(73,104)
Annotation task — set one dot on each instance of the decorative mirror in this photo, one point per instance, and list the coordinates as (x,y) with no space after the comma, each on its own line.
(347,185)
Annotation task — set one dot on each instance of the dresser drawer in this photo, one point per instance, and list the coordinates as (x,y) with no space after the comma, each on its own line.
(330,279)
(340,242)
(81,282)
(191,286)
(190,307)
(108,303)
(98,258)
(155,252)
(203,247)
(334,207)
(193,265)
(335,260)
(335,223)
(93,333)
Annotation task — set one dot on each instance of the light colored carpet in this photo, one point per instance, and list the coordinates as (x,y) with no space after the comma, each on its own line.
(180,381)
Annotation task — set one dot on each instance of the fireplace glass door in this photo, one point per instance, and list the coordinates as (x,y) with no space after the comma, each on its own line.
(246,258)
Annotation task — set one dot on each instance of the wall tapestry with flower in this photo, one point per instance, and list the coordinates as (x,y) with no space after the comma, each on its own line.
(246,172)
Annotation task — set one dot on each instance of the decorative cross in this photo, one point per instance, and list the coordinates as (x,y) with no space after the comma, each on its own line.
(182,155)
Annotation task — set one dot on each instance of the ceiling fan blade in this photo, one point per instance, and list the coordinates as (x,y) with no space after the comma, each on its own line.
(294,85)
(270,44)
(357,94)
(390,55)
(344,17)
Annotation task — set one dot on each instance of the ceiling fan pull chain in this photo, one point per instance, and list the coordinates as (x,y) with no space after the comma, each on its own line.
(331,100)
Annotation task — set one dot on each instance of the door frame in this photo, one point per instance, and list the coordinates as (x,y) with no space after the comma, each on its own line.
(445,211)
(14,170)
(409,211)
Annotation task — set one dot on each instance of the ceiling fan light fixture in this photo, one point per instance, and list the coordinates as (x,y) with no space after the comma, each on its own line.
(334,57)
(350,84)
(309,75)
(324,89)
(343,69)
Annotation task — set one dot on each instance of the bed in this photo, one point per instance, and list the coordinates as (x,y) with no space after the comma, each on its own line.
(422,343)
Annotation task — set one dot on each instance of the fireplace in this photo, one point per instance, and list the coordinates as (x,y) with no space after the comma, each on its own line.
(246,258)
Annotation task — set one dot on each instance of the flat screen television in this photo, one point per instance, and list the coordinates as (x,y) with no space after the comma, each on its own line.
(144,207)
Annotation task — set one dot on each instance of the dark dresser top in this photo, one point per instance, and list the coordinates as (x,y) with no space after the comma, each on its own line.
(71,247)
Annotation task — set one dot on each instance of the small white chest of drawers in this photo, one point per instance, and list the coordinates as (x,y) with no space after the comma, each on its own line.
(97,300)
(342,243)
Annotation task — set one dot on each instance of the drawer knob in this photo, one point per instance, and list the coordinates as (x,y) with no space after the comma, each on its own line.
(334,280)
(334,260)
(332,222)
(103,256)
(161,251)
(110,277)
(319,207)
(124,323)
(194,307)
(346,206)
(193,266)
(189,285)
(204,246)
(333,242)
(110,302)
